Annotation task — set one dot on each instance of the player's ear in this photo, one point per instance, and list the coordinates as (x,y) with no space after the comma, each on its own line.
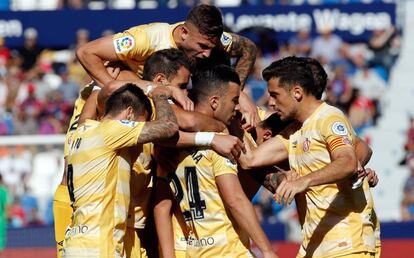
(130,115)
(184,32)
(214,102)
(160,78)
(267,134)
(297,92)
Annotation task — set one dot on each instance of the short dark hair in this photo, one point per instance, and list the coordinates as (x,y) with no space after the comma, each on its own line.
(290,71)
(166,61)
(274,123)
(207,19)
(129,95)
(210,81)
(320,77)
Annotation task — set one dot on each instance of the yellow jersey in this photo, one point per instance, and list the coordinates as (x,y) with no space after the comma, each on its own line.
(74,120)
(136,44)
(99,169)
(335,219)
(213,231)
(141,187)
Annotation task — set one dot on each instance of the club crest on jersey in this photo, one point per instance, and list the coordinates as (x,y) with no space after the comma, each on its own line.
(127,123)
(123,44)
(225,39)
(306,145)
(339,128)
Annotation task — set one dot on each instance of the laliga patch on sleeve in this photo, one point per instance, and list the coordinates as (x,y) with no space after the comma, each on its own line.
(225,39)
(127,123)
(124,44)
(339,128)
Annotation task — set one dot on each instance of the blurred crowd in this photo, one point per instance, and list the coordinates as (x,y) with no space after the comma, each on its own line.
(38,88)
(26,5)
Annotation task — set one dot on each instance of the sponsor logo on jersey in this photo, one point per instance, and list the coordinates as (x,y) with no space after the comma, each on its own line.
(346,140)
(225,39)
(339,128)
(128,123)
(124,44)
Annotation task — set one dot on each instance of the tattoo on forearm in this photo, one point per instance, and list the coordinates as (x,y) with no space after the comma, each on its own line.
(271,182)
(165,124)
(245,50)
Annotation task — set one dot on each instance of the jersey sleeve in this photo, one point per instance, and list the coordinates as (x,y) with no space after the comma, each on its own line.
(119,134)
(132,44)
(337,132)
(222,165)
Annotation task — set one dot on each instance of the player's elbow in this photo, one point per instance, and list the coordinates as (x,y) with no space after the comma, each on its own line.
(171,129)
(82,53)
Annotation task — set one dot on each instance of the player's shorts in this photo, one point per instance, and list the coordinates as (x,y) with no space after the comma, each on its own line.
(62,213)
(359,255)
(132,244)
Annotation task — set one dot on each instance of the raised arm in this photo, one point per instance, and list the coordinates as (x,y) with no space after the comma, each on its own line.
(242,211)
(165,125)
(245,50)
(92,56)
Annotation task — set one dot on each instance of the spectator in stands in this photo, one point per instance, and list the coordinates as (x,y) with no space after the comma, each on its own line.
(24,123)
(361,112)
(386,45)
(30,51)
(68,88)
(339,91)
(409,142)
(371,86)
(301,43)
(407,204)
(4,56)
(326,46)
(17,214)
(256,86)
(74,4)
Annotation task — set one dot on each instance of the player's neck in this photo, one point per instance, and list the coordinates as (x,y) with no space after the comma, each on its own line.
(307,108)
(203,109)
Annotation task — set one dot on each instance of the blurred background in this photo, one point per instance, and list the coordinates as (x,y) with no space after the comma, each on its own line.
(364,46)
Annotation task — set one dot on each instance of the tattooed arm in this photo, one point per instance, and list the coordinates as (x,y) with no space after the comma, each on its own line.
(245,50)
(165,126)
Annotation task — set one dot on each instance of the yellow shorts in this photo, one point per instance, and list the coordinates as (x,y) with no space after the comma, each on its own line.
(132,244)
(62,213)
(359,255)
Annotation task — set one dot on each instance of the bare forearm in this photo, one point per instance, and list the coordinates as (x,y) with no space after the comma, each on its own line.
(193,121)
(89,109)
(165,126)
(94,66)
(336,171)
(245,216)
(245,50)
(363,152)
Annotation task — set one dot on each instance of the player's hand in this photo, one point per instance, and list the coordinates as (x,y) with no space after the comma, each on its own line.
(287,190)
(372,177)
(228,146)
(181,98)
(358,178)
(249,112)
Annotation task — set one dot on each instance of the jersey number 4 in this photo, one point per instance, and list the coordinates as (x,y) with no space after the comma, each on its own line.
(197,205)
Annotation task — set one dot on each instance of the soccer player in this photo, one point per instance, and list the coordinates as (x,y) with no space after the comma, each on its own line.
(219,215)
(99,167)
(322,152)
(197,36)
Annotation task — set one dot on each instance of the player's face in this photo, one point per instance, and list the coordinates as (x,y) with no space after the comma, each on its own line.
(196,45)
(281,100)
(181,79)
(228,104)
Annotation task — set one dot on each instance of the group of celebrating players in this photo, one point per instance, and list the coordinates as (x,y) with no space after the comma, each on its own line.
(158,165)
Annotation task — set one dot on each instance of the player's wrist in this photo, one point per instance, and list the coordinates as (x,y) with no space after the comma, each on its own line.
(204,139)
